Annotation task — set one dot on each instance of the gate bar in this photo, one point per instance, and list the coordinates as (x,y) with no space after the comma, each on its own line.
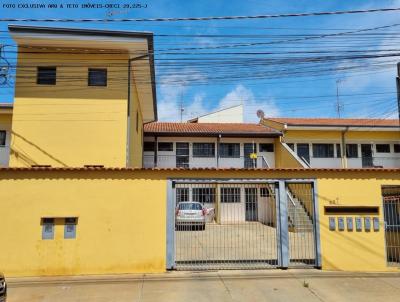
(318,258)
(170,221)
(283,229)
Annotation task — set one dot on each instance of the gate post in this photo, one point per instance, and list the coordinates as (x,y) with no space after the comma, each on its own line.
(170,225)
(282,224)
(318,260)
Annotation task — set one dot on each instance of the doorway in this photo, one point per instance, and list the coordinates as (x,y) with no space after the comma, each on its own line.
(251,204)
(366,156)
(249,162)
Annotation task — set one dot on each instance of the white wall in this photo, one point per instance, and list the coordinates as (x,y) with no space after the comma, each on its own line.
(5,150)
(228,115)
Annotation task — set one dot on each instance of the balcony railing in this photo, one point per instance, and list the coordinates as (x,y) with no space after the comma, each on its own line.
(355,162)
(188,162)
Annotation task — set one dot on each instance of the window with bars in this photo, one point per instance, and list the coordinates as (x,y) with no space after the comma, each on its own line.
(351,150)
(382,148)
(229,150)
(203,149)
(230,195)
(182,195)
(165,147)
(323,150)
(46,76)
(203,195)
(396,148)
(97,77)
(149,146)
(2,138)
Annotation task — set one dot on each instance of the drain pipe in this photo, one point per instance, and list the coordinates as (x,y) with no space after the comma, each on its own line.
(343,148)
(128,129)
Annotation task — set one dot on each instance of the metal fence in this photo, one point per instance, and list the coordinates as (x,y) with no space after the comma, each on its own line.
(225,225)
(391,207)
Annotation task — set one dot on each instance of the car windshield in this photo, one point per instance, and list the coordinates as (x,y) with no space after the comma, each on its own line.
(190,206)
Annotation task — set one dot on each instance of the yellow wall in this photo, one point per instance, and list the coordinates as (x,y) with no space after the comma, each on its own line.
(136,133)
(70,123)
(122,218)
(283,158)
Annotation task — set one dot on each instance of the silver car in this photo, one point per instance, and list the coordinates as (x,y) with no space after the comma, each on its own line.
(190,214)
(3,288)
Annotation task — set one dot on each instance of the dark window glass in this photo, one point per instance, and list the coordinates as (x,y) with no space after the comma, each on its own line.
(338,150)
(2,137)
(46,76)
(182,194)
(148,146)
(137,121)
(266,147)
(203,195)
(396,148)
(291,146)
(383,148)
(203,149)
(323,150)
(351,150)
(165,147)
(229,150)
(230,195)
(97,77)
(190,206)
(264,192)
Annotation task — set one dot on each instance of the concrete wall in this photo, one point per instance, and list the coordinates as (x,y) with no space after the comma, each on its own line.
(122,218)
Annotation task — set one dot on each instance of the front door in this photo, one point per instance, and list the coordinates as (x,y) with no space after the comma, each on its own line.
(182,155)
(303,151)
(249,162)
(366,155)
(251,202)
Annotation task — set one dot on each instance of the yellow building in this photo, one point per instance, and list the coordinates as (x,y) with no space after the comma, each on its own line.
(340,143)
(75,198)
(81,97)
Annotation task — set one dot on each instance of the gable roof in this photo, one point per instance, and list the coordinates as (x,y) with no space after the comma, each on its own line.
(336,122)
(209,129)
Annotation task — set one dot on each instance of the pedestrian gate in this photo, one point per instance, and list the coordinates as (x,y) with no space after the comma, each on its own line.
(244,224)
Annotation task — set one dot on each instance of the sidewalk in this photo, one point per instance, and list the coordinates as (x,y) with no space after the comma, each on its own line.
(266,285)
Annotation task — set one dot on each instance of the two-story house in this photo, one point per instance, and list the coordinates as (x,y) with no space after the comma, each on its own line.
(341,143)
(81,97)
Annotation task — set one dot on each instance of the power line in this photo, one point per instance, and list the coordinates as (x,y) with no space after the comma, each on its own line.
(329,13)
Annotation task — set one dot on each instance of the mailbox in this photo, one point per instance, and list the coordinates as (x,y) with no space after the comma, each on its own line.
(349,222)
(358,224)
(376,224)
(332,223)
(341,223)
(367,224)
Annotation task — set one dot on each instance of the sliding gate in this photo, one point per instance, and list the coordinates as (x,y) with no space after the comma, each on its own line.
(239,224)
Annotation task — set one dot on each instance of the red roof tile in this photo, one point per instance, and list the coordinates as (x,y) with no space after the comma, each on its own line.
(337,122)
(209,129)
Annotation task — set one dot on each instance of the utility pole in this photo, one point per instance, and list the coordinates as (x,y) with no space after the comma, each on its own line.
(398,89)
(182,109)
(338,105)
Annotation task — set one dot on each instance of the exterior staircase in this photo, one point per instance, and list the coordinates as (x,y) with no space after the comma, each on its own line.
(298,219)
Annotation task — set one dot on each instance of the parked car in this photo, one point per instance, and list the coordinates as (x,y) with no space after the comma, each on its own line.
(3,288)
(190,214)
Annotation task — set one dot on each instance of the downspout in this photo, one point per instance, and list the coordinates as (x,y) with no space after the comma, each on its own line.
(218,141)
(128,130)
(155,151)
(343,148)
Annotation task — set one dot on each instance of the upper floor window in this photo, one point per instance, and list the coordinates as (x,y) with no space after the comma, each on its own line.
(229,150)
(97,77)
(2,138)
(338,150)
(266,147)
(383,148)
(165,147)
(203,149)
(323,150)
(352,150)
(46,75)
(148,146)
(396,148)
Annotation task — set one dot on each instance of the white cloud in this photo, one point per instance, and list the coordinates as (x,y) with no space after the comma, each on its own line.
(169,108)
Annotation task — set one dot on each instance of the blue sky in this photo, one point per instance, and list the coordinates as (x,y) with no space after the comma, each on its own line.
(364,91)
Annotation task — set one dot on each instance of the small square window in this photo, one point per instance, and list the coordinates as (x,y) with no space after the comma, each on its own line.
(396,148)
(266,147)
(383,148)
(351,150)
(70,228)
(148,146)
(97,77)
(165,147)
(2,138)
(47,228)
(46,76)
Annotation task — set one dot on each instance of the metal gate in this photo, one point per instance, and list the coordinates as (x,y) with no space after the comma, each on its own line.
(391,212)
(240,225)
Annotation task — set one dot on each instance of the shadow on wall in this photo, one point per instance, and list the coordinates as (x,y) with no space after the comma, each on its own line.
(21,155)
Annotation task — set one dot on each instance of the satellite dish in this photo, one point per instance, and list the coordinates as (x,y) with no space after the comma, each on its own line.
(260,114)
